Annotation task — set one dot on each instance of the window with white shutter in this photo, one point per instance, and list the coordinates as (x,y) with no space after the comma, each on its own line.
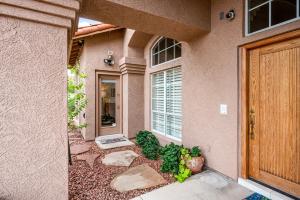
(166,102)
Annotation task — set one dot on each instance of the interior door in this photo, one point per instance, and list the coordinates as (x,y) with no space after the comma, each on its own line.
(274,115)
(109,105)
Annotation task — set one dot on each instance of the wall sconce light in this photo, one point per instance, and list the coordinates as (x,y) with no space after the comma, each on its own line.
(110,59)
(230,15)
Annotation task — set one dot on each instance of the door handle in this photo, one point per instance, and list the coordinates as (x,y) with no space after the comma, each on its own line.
(251,123)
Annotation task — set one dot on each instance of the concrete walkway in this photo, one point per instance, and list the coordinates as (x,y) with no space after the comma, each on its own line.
(204,186)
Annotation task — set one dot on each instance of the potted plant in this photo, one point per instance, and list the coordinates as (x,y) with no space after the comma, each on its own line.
(195,164)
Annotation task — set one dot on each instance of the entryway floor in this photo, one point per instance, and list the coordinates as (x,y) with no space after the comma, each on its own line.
(208,185)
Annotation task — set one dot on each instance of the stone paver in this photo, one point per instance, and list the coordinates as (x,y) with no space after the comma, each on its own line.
(100,139)
(139,177)
(89,158)
(204,186)
(120,158)
(79,148)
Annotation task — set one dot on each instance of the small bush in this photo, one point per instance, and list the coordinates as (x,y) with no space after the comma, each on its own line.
(149,144)
(195,151)
(151,147)
(171,158)
(174,161)
(184,172)
(141,137)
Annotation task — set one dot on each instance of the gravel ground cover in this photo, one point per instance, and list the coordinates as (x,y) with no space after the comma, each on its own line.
(86,183)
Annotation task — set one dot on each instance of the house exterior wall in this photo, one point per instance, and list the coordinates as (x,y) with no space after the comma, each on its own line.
(210,65)
(174,18)
(34,39)
(133,110)
(33,111)
(94,52)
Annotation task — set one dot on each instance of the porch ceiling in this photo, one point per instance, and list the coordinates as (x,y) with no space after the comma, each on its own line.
(179,19)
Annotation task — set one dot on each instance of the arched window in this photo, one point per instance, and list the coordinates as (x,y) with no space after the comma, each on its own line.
(165,49)
(166,90)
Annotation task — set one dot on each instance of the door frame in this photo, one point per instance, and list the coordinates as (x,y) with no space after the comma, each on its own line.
(99,73)
(244,92)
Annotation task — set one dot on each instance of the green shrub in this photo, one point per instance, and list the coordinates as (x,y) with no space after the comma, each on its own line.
(174,161)
(151,147)
(171,157)
(195,151)
(184,172)
(149,144)
(185,153)
(141,137)
(77,99)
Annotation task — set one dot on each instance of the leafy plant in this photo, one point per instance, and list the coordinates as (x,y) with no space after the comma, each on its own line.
(185,154)
(195,151)
(184,172)
(77,100)
(141,137)
(174,161)
(171,158)
(149,144)
(151,147)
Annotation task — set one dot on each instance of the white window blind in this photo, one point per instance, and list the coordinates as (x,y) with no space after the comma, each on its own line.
(166,102)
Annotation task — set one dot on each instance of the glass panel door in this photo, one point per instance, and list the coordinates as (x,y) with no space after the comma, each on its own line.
(108,103)
(109,106)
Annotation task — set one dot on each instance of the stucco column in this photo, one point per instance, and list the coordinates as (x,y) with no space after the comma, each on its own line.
(133,70)
(34,39)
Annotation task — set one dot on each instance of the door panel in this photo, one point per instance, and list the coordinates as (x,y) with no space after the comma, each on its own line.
(109,105)
(274,115)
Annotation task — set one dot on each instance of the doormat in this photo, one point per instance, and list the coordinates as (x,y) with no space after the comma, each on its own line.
(256,196)
(112,141)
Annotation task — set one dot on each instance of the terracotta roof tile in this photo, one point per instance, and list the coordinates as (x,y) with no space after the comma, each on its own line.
(94,28)
(78,39)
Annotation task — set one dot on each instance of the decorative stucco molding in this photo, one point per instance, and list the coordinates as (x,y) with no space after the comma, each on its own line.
(130,65)
(49,12)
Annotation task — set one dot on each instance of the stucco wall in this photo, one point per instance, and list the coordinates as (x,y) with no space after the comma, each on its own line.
(210,78)
(135,88)
(33,120)
(94,51)
(174,18)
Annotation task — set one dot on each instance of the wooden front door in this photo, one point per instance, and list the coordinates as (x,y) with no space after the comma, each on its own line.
(109,96)
(274,115)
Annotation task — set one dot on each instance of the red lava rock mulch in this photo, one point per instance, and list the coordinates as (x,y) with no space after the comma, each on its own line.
(86,183)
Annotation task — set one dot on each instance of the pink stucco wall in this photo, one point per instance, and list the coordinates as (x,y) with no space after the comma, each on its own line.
(210,64)
(174,18)
(94,51)
(34,38)
(210,78)
(33,113)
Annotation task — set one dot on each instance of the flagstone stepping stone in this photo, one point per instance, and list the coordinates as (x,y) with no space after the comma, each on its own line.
(120,158)
(79,148)
(89,158)
(139,177)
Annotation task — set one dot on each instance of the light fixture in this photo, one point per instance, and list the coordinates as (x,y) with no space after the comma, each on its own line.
(110,59)
(230,15)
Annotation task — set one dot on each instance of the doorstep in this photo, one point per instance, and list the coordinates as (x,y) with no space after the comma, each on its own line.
(207,185)
(263,190)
